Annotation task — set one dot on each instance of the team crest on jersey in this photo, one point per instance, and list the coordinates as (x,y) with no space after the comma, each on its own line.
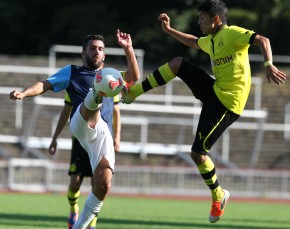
(221,43)
(72,168)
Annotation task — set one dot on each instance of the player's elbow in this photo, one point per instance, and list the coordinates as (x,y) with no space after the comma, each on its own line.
(261,41)
(133,76)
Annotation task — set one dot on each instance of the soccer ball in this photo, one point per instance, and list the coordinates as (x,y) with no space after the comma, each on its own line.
(108,82)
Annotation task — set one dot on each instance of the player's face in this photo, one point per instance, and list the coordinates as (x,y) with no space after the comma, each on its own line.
(206,23)
(94,54)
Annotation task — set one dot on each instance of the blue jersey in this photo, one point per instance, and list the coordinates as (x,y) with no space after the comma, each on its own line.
(77,81)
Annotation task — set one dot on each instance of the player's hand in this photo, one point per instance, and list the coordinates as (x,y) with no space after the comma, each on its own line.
(52,147)
(16,95)
(165,21)
(117,145)
(123,39)
(275,75)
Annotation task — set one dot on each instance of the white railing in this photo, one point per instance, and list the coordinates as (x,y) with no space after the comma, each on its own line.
(54,49)
(18,105)
(192,109)
(36,175)
(144,147)
(167,104)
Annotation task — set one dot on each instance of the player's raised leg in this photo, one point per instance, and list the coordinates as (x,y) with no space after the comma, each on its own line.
(159,77)
(94,135)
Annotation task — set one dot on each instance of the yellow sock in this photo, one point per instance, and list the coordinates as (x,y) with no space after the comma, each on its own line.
(207,171)
(158,78)
(73,198)
(93,222)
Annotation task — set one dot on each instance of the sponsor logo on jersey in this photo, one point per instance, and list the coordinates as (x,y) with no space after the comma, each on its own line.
(223,60)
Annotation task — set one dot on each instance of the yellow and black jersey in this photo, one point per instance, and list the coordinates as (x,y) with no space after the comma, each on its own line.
(228,50)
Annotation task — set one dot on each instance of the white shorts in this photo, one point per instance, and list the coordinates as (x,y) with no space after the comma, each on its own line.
(97,142)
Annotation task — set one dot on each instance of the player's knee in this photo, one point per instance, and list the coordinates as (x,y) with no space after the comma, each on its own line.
(198,157)
(102,189)
(106,186)
(74,188)
(175,63)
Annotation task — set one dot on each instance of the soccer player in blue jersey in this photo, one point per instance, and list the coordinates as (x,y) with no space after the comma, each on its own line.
(86,123)
(79,162)
(224,96)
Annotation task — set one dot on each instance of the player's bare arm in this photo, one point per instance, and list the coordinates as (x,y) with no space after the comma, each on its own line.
(116,127)
(185,38)
(125,41)
(63,118)
(34,90)
(272,72)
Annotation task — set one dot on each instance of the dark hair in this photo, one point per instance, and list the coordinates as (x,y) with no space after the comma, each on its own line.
(92,37)
(214,7)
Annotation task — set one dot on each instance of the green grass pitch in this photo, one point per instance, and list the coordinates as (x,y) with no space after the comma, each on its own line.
(44,211)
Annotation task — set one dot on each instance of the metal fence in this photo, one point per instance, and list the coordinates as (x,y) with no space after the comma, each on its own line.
(36,175)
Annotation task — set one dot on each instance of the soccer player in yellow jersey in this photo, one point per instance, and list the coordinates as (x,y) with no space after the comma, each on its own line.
(224,96)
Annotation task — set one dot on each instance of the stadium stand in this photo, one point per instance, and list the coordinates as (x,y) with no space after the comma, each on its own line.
(160,124)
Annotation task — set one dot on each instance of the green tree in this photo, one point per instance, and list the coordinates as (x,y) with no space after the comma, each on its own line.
(32,26)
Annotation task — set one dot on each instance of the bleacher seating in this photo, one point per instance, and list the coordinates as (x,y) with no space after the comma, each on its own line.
(180,109)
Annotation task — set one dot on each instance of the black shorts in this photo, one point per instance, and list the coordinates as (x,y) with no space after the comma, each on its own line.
(214,118)
(79,162)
